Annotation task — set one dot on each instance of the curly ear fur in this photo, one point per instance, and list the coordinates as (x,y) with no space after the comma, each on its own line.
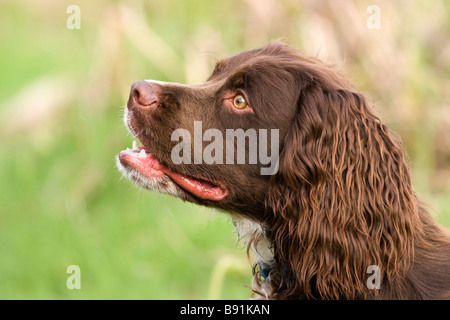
(342,199)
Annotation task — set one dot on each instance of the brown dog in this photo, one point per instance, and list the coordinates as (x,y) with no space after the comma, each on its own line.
(318,187)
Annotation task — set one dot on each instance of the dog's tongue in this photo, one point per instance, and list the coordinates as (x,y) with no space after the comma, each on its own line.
(142,162)
(200,188)
(147,165)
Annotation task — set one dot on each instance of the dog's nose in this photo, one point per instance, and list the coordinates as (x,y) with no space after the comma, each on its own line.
(144,94)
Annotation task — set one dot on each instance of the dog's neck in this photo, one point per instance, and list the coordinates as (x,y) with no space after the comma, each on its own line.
(254,236)
(253,233)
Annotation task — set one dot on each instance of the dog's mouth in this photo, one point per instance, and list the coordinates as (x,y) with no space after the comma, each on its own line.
(148,166)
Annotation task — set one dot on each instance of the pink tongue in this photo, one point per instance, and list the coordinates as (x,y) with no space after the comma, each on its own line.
(150,167)
(201,189)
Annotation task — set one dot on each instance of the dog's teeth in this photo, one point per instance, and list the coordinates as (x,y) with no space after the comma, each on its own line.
(142,153)
(135,146)
(127,149)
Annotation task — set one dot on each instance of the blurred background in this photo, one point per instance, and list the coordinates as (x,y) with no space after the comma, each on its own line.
(62,92)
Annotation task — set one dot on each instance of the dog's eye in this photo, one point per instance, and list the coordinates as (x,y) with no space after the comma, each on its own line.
(239,102)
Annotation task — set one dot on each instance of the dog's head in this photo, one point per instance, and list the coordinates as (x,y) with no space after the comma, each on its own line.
(216,143)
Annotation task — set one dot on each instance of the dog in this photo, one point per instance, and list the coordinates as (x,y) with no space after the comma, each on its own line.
(318,187)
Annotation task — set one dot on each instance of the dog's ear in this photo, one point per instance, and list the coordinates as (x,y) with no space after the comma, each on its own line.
(342,199)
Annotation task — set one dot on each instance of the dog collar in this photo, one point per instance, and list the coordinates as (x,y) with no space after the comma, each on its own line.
(262,270)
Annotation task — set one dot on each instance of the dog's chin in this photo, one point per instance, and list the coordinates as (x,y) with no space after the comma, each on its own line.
(161,184)
(144,169)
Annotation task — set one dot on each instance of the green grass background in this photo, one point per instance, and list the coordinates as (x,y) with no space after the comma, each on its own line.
(62,202)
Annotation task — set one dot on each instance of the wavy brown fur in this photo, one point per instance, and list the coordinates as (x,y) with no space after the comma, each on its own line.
(343,201)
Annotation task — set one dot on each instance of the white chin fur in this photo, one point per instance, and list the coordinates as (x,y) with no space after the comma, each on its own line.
(159,184)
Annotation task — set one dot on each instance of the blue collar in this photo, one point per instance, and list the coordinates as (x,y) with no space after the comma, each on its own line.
(262,269)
